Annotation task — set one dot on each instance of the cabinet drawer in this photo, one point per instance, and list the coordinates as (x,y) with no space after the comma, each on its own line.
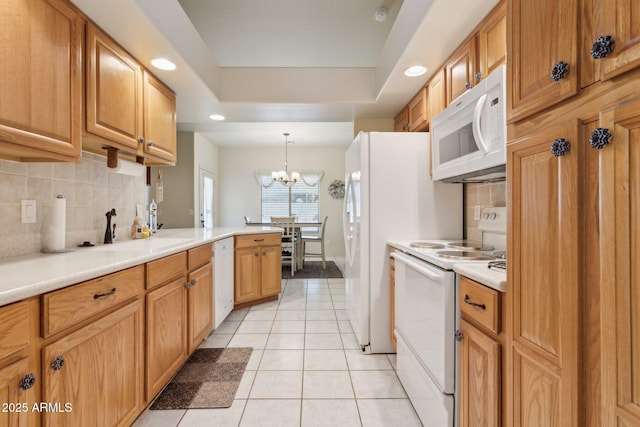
(480,303)
(250,240)
(165,269)
(199,256)
(14,328)
(71,305)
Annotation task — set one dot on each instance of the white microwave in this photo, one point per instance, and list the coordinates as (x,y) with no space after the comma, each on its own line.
(469,137)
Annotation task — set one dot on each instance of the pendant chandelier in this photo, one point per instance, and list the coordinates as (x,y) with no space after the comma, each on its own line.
(283,176)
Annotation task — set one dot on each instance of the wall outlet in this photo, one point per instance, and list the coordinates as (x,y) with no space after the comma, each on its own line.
(476,212)
(28,208)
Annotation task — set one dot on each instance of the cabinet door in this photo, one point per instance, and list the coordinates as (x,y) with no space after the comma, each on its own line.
(418,111)
(200,300)
(401,121)
(271,271)
(437,99)
(480,380)
(166,334)
(41,96)
(159,121)
(247,274)
(102,377)
(492,42)
(114,92)
(541,33)
(620,287)
(543,278)
(12,394)
(621,21)
(461,70)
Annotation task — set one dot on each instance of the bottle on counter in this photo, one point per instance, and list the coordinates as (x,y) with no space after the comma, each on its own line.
(136,229)
(153,217)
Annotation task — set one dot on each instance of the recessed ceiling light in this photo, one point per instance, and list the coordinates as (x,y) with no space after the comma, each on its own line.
(415,70)
(163,64)
(217,117)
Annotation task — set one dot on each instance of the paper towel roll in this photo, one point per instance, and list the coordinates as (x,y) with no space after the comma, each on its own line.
(56,232)
(126,167)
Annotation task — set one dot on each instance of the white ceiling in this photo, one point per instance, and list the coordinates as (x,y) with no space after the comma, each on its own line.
(306,67)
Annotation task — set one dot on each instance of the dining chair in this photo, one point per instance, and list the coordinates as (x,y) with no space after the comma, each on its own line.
(289,239)
(315,238)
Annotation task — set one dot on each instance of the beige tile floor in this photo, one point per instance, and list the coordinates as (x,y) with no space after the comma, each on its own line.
(306,368)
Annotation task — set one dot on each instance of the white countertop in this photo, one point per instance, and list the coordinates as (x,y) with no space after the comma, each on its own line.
(482,274)
(26,276)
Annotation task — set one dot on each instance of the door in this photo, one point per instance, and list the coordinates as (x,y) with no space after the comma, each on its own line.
(620,271)
(271,270)
(425,316)
(18,401)
(159,120)
(461,70)
(621,20)
(98,370)
(166,333)
(247,274)
(207,192)
(200,305)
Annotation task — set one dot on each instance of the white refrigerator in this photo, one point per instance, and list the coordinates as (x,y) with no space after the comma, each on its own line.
(389,195)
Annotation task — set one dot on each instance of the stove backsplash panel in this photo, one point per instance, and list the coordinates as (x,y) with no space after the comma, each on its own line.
(490,194)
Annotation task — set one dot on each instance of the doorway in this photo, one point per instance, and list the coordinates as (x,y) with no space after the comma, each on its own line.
(207,194)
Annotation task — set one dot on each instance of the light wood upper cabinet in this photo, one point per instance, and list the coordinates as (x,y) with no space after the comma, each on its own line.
(621,21)
(418,118)
(620,290)
(114,92)
(543,277)
(102,376)
(461,70)
(492,42)
(437,94)
(401,120)
(41,75)
(159,120)
(543,34)
(126,107)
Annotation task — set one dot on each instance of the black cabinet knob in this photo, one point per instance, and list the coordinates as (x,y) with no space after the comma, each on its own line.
(28,381)
(459,335)
(602,47)
(560,147)
(479,76)
(559,71)
(467,85)
(57,363)
(600,138)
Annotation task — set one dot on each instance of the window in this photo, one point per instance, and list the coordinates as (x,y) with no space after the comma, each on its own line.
(300,201)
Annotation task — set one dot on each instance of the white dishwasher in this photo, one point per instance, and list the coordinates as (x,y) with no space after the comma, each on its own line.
(222,280)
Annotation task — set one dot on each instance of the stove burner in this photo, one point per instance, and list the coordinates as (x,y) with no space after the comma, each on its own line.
(466,255)
(426,245)
(470,245)
(497,265)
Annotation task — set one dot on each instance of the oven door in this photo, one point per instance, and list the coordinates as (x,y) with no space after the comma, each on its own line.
(425,316)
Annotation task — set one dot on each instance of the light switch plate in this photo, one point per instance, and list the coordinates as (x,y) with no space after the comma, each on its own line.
(28,208)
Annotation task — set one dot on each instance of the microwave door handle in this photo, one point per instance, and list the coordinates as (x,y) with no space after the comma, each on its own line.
(477,132)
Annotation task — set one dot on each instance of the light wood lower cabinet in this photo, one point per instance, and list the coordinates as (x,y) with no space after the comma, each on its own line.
(200,305)
(96,374)
(258,268)
(166,333)
(481,347)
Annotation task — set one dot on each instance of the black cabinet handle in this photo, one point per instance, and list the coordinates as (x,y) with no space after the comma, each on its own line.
(57,363)
(602,47)
(106,294)
(27,382)
(560,147)
(600,138)
(559,71)
(467,300)
(258,240)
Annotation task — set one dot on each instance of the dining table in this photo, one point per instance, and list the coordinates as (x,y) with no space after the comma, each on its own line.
(298,226)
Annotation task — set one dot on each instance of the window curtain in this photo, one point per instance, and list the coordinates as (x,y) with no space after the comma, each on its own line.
(310,178)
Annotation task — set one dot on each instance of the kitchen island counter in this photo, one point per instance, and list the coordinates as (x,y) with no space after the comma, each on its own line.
(29,275)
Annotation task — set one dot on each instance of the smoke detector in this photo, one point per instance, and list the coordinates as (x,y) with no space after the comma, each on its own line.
(381,14)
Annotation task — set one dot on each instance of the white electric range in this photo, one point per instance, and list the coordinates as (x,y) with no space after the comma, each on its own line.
(427,313)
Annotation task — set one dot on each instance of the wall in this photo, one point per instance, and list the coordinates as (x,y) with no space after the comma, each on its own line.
(90,191)
(372,125)
(240,194)
(485,195)
(181,183)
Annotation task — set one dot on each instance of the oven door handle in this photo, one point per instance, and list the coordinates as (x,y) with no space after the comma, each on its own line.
(417,265)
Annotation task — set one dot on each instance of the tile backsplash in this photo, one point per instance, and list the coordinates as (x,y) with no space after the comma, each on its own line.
(485,195)
(90,190)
